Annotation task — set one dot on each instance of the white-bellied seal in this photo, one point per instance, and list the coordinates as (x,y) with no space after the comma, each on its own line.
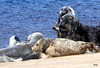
(65,47)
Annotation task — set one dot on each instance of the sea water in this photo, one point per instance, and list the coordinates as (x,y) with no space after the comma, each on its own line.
(24,17)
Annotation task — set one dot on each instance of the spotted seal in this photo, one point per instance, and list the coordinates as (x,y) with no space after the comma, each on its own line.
(65,47)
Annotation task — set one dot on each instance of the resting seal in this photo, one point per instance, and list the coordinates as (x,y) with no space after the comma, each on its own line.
(22,50)
(65,47)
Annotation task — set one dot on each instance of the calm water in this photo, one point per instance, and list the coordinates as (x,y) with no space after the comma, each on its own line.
(23,17)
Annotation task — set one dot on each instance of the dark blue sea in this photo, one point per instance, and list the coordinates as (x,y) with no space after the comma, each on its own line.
(23,17)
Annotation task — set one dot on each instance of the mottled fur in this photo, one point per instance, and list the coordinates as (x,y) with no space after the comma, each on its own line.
(65,47)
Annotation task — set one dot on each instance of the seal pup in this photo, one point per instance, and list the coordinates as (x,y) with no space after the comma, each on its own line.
(64,47)
(64,10)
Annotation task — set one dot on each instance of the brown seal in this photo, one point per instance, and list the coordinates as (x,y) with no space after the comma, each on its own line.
(65,47)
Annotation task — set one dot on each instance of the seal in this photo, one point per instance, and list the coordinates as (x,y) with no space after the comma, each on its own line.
(14,40)
(71,28)
(22,50)
(64,10)
(35,55)
(64,47)
(4,58)
(37,47)
(46,44)
(34,37)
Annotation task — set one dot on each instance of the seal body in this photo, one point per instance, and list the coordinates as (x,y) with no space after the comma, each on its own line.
(24,49)
(17,51)
(65,47)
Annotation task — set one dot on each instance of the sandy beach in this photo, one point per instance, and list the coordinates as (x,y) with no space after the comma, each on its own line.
(74,61)
(24,17)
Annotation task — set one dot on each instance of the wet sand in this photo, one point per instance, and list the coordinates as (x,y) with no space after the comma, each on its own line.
(74,61)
